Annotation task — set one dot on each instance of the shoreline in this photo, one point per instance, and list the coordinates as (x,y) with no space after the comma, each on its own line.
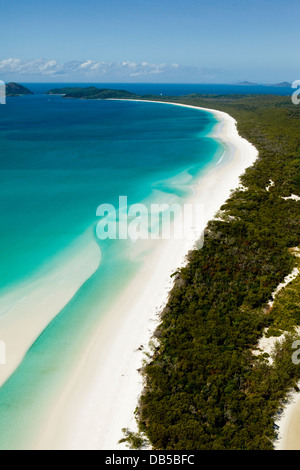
(96,404)
(288,423)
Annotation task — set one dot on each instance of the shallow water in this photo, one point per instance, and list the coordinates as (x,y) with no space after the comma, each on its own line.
(59,160)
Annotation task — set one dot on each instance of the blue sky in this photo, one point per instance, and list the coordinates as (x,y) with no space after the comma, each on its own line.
(192,41)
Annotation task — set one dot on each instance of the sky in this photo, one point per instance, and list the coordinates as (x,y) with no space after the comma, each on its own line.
(171,41)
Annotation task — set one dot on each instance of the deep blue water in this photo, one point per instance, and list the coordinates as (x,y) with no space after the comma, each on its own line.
(171,89)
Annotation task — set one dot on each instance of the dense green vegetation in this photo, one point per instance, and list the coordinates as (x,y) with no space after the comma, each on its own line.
(15,89)
(91,93)
(204,389)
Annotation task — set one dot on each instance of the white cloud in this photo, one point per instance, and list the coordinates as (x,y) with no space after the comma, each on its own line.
(88,70)
(86,64)
(84,69)
(10,65)
(39,66)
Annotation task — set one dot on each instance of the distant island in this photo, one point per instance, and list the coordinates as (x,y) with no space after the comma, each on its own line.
(107,93)
(15,89)
(91,93)
(282,84)
(246,83)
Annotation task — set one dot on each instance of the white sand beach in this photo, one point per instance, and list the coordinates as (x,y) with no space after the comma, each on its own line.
(27,310)
(289,424)
(102,393)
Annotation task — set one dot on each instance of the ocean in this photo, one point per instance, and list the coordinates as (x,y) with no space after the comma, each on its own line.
(60,159)
(174,89)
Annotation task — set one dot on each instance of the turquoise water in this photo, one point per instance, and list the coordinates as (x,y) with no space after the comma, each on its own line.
(59,160)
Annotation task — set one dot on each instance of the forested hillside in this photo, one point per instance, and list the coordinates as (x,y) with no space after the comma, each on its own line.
(204,387)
